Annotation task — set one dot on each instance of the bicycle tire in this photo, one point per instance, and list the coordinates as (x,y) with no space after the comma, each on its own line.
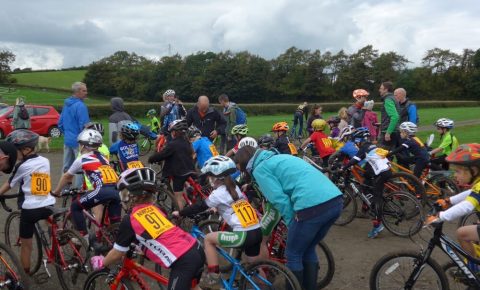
(144,145)
(97,280)
(325,277)
(288,281)
(349,210)
(398,208)
(403,181)
(455,281)
(447,185)
(73,274)
(391,263)
(11,270)
(12,240)
(469,219)
(166,199)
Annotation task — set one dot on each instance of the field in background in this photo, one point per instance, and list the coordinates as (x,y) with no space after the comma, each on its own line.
(51,79)
(40,96)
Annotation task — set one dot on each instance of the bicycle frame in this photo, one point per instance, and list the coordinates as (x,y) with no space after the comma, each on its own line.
(132,270)
(435,190)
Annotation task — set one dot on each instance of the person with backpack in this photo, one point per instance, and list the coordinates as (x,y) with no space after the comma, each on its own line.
(408,110)
(21,117)
(234,115)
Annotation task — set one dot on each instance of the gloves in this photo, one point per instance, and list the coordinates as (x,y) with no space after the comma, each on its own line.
(443,203)
(97,262)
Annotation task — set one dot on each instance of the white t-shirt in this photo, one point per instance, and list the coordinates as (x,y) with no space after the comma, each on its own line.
(221,200)
(378,163)
(36,166)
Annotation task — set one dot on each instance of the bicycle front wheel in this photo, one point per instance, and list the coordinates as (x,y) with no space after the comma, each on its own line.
(327,265)
(402,214)
(100,280)
(393,271)
(269,275)
(349,210)
(71,259)
(144,145)
(11,271)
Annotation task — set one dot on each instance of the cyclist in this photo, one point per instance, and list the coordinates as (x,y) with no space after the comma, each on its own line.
(163,242)
(154,122)
(333,122)
(178,156)
(32,174)
(323,144)
(99,127)
(416,151)
(103,178)
(465,161)
(202,146)
(126,148)
(309,211)
(265,141)
(355,111)
(377,171)
(231,203)
(239,132)
(349,148)
(282,144)
(448,142)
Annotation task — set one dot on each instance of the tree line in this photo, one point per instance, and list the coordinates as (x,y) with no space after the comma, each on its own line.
(295,75)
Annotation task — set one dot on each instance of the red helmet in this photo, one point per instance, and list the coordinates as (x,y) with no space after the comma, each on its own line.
(358,93)
(465,155)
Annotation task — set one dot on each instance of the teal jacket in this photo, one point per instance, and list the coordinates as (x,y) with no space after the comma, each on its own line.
(290,183)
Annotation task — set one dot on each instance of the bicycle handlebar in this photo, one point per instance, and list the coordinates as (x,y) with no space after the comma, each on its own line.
(4,197)
(71,192)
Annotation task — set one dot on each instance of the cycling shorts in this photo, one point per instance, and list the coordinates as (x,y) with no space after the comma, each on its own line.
(179,183)
(187,269)
(248,241)
(28,219)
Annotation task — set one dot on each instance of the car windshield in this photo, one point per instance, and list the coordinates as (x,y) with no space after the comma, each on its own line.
(4,110)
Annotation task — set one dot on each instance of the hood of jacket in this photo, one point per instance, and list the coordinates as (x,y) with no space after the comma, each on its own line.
(117,104)
(70,101)
(259,156)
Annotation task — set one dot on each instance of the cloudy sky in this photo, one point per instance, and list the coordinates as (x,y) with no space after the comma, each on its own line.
(55,34)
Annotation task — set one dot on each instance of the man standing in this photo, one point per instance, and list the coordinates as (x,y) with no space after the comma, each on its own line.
(207,119)
(230,115)
(298,120)
(73,118)
(408,110)
(389,137)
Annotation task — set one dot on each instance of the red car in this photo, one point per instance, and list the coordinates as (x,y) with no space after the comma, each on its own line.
(43,119)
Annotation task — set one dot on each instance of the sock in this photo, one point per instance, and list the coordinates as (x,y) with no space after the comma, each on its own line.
(213,269)
(376,223)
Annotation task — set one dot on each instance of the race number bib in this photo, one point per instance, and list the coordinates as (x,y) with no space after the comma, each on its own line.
(108,174)
(213,149)
(41,184)
(153,221)
(245,213)
(381,152)
(293,149)
(327,142)
(134,164)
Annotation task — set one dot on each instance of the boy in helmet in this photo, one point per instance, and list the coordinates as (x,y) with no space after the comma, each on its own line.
(126,148)
(323,144)
(102,177)
(465,162)
(239,132)
(416,151)
(32,174)
(202,146)
(154,122)
(178,156)
(448,142)
(355,111)
(282,143)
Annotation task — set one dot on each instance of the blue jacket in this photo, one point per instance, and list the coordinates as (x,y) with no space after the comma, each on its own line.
(73,118)
(290,183)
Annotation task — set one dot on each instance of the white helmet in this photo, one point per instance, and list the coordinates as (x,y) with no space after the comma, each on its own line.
(247,141)
(409,127)
(347,131)
(444,123)
(219,166)
(137,180)
(169,92)
(90,138)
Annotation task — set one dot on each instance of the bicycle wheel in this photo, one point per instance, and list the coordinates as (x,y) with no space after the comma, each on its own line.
(269,275)
(447,186)
(12,239)
(326,263)
(11,270)
(101,279)
(71,259)
(144,144)
(455,277)
(166,199)
(472,218)
(349,210)
(402,181)
(402,214)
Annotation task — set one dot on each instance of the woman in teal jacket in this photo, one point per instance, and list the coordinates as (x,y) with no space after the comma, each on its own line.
(307,200)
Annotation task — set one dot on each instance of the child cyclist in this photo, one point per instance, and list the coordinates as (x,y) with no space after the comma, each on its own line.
(154,122)
(448,143)
(413,145)
(163,242)
(32,170)
(282,144)
(323,144)
(239,132)
(230,203)
(99,127)
(178,156)
(126,148)
(202,146)
(102,177)
(333,122)
(465,161)
(265,142)
(377,171)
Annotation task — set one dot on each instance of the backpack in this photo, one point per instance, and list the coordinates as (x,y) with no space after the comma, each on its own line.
(23,114)
(241,116)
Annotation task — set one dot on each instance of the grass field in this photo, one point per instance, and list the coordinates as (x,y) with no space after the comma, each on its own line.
(52,79)
(40,97)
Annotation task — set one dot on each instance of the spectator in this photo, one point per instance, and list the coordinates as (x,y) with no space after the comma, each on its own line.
(370,119)
(355,112)
(210,122)
(73,118)
(21,118)
(316,114)
(408,110)
(230,115)
(343,115)
(389,118)
(172,109)
(298,120)
(118,115)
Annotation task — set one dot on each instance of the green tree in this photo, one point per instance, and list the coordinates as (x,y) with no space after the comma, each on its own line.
(6,59)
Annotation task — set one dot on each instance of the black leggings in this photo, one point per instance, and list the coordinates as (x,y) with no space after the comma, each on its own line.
(378,184)
(187,269)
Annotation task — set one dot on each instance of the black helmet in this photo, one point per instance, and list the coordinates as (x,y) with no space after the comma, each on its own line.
(178,125)
(334,120)
(9,149)
(266,141)
(22,138)
(95,126)
(193,131)
(137,180)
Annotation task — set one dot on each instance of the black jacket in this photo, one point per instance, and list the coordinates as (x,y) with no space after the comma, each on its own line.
(212,120)
(178,156)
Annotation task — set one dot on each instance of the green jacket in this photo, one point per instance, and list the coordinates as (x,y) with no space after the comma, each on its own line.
(389,114)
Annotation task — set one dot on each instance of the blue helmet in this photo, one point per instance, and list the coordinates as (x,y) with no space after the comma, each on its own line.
(130,130)
(361,135)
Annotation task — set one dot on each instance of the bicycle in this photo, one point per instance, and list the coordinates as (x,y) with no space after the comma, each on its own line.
(407,269)
(146,139)
(65,248)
